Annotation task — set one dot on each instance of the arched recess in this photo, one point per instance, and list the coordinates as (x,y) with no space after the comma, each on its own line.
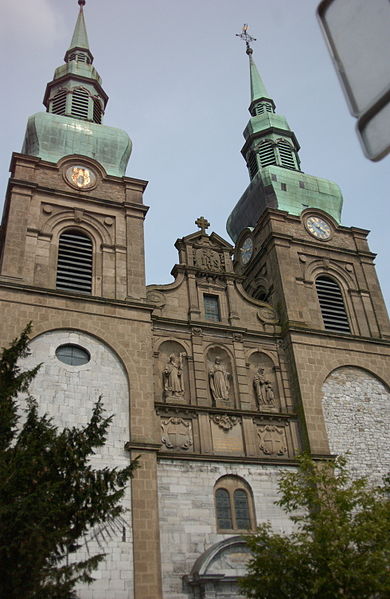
(67,394)
(221,377)
(171,373)
(356,408)
(263,383)
(216,572)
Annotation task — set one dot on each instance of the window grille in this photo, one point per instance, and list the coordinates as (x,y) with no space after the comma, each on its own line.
(223,509)
(266,153)
(252,164)
(262,108)
(59,102)
(286,154)
(211,308)
(80,103)
(74,264)
(332,305)
(97,111)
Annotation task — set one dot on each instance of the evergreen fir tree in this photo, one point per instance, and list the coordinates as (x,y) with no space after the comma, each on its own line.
(51,498)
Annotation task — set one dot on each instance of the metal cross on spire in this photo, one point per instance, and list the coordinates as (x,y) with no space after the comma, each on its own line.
(244,35)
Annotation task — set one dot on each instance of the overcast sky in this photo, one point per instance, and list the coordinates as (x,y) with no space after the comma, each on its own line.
(178,82)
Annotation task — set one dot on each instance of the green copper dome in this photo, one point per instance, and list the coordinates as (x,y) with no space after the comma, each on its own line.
(75,102)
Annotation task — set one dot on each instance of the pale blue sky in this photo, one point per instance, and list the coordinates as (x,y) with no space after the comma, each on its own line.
(178,83)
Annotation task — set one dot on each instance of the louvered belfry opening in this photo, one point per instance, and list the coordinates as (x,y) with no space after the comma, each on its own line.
(286,154)
(332,305)
(74,264)
(80,103)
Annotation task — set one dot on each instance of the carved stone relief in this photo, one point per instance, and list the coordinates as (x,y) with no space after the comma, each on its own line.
(263,384)
(272,440)
(220,378)
(225,422)
(209,259)
(171,373)
(176,433)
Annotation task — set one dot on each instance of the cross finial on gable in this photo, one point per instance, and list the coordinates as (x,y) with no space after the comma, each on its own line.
(203,224)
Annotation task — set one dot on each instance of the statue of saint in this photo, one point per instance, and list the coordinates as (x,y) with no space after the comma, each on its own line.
(263,389)
(173,383)
(219,381)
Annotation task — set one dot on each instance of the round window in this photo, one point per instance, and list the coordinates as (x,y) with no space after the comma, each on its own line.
(71,354)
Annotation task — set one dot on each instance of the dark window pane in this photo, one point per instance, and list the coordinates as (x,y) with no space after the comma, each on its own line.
(211,308)
(74,355)
(241,510)
(224,516)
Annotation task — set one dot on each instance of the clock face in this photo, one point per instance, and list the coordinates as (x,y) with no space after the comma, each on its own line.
(80,176)
(318,227)
(246,250)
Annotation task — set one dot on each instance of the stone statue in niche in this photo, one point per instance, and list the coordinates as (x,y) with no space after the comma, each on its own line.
(263,389)
(173,384)
(219,381)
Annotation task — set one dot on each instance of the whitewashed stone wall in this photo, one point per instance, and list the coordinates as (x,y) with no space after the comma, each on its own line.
(356,408)
(68,393)
(187,513)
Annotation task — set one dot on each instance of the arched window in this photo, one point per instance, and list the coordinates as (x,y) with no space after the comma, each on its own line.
(266,150)
(59,102)
(233,505)
(286,154)
(74,263)
(80,103)
(332,305)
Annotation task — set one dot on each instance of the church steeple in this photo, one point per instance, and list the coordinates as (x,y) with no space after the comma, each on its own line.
(76,94)
(79,41)
(271,154)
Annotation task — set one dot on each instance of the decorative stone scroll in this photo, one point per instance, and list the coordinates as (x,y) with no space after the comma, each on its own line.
(176,433)
(272,440)
(225,422)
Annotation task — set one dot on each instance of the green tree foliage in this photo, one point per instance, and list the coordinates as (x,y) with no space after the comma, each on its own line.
(340,547)
(51,499)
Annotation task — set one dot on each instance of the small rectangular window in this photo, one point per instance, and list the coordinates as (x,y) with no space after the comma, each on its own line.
(301,185)
(211,308)
(283,187)
(274,177)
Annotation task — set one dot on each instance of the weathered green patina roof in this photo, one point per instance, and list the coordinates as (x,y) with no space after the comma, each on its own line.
(278,182)
(68,129)
(258,89)
(51,137)
(80,36)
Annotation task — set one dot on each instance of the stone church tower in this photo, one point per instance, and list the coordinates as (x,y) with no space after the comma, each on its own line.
(254,353)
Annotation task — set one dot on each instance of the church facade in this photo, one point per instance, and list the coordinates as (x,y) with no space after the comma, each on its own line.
(275,343)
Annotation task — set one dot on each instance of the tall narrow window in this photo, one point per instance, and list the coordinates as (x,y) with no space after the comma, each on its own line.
(241,509)
(267,153)
(74,264)
(211,308)
(252,164)
(234,504)
(223,509)
(286,154)
(80,103)
(332,305)
(59,102)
